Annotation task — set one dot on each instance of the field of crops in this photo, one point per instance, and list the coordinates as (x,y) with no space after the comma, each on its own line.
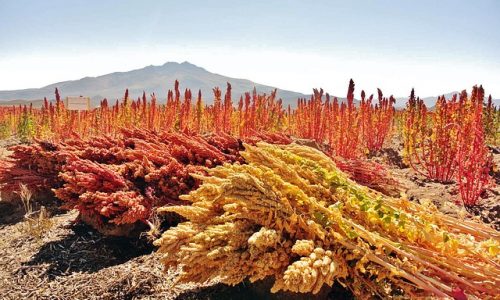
(245,198)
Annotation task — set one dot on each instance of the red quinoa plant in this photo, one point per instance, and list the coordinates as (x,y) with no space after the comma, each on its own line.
(491,121)
(449,142)
(473,156)
(430,138)
(376,121)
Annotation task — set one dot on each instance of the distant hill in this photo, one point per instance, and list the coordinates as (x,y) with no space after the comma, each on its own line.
(157,79)
(431,101)
(36,103)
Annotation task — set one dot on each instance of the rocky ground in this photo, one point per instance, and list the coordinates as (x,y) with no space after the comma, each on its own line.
(54,257)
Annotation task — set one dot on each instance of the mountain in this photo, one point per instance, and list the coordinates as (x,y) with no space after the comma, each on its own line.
(35,103)
(431,101)
(157,79)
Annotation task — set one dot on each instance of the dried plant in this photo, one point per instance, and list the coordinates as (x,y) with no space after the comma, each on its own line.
(38,222)
(25,195)
(291,214)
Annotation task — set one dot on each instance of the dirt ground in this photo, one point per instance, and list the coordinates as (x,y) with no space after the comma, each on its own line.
(446,197)
(69,260)
(72,261)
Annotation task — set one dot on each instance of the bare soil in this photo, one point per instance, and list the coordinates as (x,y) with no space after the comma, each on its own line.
(445,197)
(72,261)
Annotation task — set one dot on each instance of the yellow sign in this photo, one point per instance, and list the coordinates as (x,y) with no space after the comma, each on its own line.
(77,103)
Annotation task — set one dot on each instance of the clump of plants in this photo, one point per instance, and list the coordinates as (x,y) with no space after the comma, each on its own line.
(292,215)
(449,143)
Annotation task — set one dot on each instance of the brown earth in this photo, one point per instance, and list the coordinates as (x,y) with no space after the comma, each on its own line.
(69,260)
(72,261)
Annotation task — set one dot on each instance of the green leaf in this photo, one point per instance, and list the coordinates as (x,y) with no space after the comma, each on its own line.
(445,237)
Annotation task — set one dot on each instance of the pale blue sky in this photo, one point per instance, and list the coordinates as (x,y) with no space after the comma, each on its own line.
(434,46)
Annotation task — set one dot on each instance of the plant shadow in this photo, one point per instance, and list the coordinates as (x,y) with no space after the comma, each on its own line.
(10,213)
(86,250)
(13,212)
(261,290)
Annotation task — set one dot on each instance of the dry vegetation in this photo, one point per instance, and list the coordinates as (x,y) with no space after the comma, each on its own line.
(111,179)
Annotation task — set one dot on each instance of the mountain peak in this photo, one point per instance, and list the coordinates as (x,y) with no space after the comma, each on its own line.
(174,63)
(152,79)
(170,63)
(185,65)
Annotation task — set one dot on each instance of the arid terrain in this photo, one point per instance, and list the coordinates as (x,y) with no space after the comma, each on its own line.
(66,259)
(324,150)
